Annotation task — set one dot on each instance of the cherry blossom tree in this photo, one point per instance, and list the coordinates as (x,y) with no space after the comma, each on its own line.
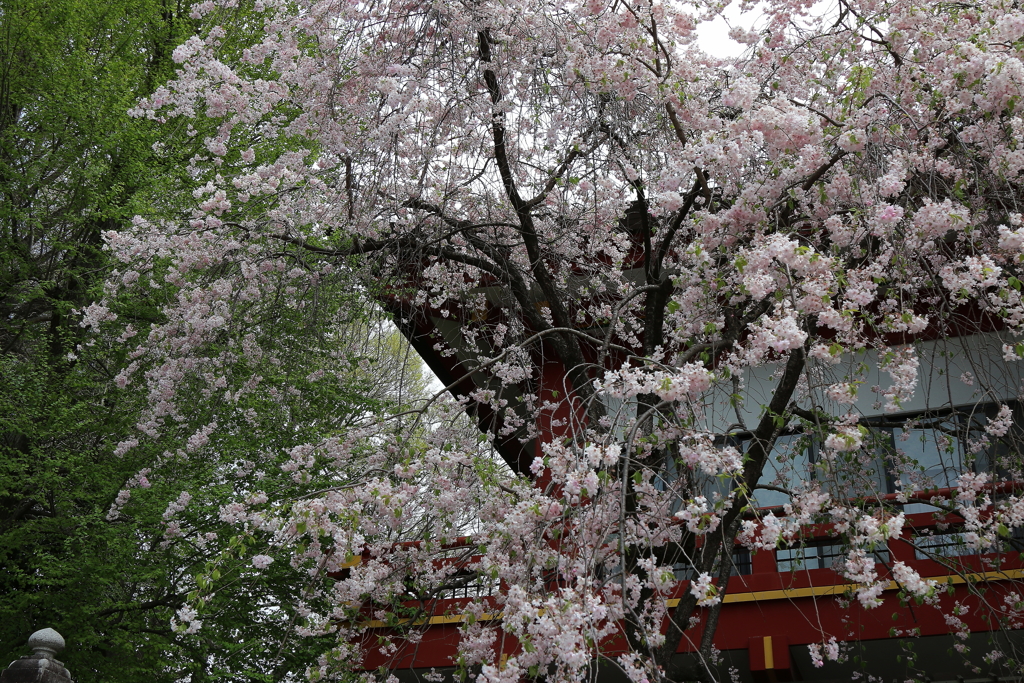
(733,263)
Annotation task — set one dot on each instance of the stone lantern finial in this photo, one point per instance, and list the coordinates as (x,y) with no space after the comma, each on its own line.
(41,666)
(46,642)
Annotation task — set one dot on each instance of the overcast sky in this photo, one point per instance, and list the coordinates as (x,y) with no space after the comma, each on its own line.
(713,37)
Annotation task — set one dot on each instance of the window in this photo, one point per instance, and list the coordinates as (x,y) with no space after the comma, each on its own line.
(817,555)
(952,544)
(742,565)
(937,452)
(934,452)
(468,586)
(1003,456)
(619,414)
(790,462)
(904,452)
(809,556)
(795,458)
(941,545)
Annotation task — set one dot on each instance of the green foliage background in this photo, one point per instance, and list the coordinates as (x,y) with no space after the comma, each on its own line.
(74,165)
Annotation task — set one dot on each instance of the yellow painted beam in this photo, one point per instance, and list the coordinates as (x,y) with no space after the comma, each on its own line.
(758,596)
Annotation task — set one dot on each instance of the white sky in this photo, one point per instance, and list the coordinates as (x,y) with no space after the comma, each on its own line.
(713,37)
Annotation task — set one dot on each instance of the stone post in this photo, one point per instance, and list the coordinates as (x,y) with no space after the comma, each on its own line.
(40,666)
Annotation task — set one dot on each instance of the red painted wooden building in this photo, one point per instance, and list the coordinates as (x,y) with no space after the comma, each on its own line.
(777,602)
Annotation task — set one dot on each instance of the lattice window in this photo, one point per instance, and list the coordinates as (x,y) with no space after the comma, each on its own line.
(816,555)
(477,587)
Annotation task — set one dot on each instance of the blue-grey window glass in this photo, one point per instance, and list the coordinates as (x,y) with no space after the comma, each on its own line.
(941,545)
(790,462)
